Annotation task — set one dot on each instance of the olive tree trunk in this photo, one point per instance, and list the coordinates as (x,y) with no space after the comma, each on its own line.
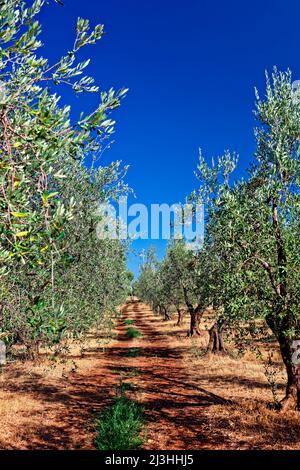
(216,342)
(291,401)
(180,316)
(290,354)
(196,315)
(164,312)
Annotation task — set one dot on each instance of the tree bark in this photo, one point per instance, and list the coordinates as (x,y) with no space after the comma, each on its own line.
(216,342)
(196,315)
(282,322)
(164,312)
(180,316)
(291,401)
(281,328)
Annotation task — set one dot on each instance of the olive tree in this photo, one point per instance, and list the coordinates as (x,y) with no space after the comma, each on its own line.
(145,286)
(49,251)
(254,229)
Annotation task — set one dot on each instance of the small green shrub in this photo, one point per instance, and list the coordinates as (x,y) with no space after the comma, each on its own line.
(120,426)
(132,333)
(128,322)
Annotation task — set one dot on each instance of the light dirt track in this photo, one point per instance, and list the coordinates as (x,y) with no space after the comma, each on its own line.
(60,413)
(206,403)
(50,413)
(190,402)
(172,398)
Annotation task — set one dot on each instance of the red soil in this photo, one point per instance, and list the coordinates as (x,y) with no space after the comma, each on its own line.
(190,402)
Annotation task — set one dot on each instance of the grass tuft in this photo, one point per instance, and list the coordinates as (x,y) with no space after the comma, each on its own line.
(128,322)
(132,333)
(120,426)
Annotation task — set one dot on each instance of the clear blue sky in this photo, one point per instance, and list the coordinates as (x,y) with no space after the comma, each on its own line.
(191,68)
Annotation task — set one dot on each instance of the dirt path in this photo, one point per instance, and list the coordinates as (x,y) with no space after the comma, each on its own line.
(171,396)
(190,402)
(197,403)
(40,412)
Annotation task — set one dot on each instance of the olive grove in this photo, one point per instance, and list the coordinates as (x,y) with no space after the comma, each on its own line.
(56,276)
(249,267)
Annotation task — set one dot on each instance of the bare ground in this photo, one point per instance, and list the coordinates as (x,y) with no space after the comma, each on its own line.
(191,402)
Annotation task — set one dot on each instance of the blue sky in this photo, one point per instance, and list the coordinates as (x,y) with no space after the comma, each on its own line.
(191,68)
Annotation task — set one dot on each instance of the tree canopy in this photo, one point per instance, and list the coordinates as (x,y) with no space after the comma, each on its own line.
(56,276)
(249,267)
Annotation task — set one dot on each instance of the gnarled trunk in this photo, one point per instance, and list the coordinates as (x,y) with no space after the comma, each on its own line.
(290,354)
(196,316)
(180,316)
(291,401)
(195,313)
(282,325)
(164,312)
(216,342)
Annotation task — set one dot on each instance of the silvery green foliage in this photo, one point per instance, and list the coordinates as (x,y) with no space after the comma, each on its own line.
(253,229)
(173,282)
(145,286)
(253,225)
(249,267)
(256,223)
(55,275)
